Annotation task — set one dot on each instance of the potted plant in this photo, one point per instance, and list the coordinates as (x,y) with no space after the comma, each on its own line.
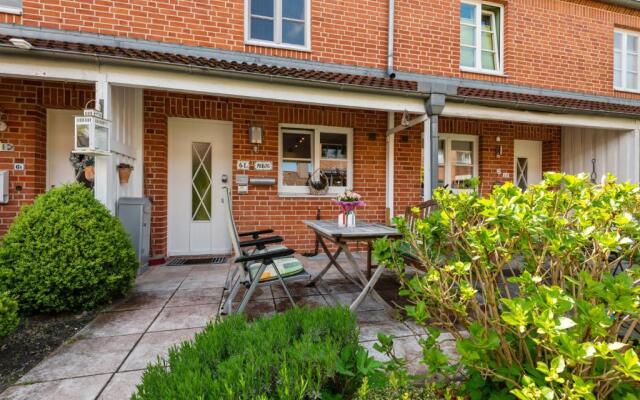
(348,201)
(124,172)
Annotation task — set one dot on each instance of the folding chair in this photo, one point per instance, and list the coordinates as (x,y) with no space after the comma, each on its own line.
(257,264)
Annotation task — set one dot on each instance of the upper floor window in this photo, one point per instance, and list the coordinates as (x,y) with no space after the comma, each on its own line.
(278,23)
(481,36)
(11,6)
(625,60)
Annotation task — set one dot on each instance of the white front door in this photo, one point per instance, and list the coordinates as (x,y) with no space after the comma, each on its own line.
(199,166)
(60,126)
(527,163)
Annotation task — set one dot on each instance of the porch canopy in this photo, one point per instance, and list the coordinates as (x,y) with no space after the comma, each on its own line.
(120,71)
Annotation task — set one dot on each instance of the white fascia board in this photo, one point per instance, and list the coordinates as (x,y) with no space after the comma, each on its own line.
(258,90)
(473,111)
(201,83)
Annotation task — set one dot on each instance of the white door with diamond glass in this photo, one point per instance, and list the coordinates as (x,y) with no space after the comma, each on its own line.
(527,163)
(199,166)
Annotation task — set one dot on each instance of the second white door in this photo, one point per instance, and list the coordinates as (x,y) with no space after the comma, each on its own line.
(527,163)
(199,166)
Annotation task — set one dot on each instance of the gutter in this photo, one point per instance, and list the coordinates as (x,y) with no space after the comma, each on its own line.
(102,59)
(526,106)
(633,4)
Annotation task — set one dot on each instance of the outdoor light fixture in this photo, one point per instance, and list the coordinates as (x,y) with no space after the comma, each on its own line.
(91,133)
(21,43)
(498,148)
(255,135)
(3,124)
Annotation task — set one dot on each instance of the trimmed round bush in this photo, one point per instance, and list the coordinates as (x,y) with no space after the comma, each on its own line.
(8,314)
(66,252)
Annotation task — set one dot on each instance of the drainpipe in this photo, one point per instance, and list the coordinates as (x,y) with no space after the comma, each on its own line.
(391,27)
(434,106)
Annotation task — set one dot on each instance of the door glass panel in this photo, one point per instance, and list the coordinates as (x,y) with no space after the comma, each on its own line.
(441,162)
(461,157)
(201,181)
(522,172)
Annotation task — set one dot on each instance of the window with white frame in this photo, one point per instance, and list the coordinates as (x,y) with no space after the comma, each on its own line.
(481,36)
(457,160)
(307,149)
(625,60)
(11,6)
(279,23)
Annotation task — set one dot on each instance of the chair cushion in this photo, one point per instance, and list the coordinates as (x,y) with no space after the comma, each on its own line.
(287,266)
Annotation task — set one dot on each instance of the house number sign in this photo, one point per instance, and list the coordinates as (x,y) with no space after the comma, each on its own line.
(263,165)
(243,165)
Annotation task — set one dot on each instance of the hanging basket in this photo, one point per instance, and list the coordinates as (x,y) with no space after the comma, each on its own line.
(318,183)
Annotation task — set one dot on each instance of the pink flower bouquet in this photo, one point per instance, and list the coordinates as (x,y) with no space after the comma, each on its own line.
(349,201)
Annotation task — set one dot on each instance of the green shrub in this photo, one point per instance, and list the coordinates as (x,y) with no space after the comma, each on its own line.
(8,315)
(288,356)
(66,252)
(530,277)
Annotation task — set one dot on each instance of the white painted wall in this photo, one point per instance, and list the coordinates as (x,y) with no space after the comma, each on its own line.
(60,126)
(616,152)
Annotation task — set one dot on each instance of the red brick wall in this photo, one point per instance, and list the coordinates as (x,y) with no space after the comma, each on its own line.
(262,207)
(560,44)
(25,103)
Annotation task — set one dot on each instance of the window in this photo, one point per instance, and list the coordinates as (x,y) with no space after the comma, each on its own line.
(279,23)
(305,149)
(625,60)
(480,37)
(11,6)
(457,160)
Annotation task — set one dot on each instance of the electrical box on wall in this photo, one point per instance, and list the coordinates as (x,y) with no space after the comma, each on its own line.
(4,187)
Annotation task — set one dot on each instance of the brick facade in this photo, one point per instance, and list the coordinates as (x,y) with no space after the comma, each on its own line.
(25,103)
(263,204)
(557,44)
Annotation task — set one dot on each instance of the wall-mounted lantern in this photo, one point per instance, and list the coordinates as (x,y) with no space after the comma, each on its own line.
(498,147)
(255,135)
(92,133)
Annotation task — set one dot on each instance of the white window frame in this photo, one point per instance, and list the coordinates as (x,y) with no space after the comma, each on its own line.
(498,39)
(316,154)
(277,26)
(448,138)
(625,33)
(10,9)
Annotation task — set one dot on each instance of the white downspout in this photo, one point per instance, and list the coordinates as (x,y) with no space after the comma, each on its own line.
(390,167)
(426,159)
(390,39)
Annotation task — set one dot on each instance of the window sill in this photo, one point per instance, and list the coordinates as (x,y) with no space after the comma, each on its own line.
(307,195)
(483,72)
(306,49)
(618,89)
(11,10)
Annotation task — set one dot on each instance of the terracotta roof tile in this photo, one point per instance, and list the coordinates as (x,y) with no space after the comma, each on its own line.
(553,101)
(222,65)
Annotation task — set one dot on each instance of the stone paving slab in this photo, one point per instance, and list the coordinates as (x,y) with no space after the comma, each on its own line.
(120,323)
(172,318)
(122,385)
(142,300)
(155,344)
(194,297)
(85,388)
(82,358)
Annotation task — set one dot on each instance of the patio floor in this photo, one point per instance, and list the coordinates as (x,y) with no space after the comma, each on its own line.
(169,305)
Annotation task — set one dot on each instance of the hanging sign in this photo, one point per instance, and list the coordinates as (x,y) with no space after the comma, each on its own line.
(263,165)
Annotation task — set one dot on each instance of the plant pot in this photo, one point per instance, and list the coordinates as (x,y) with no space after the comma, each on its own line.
(89,173)
(124,174)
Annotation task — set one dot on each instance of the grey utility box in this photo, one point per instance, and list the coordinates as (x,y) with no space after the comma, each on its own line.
(135,214)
